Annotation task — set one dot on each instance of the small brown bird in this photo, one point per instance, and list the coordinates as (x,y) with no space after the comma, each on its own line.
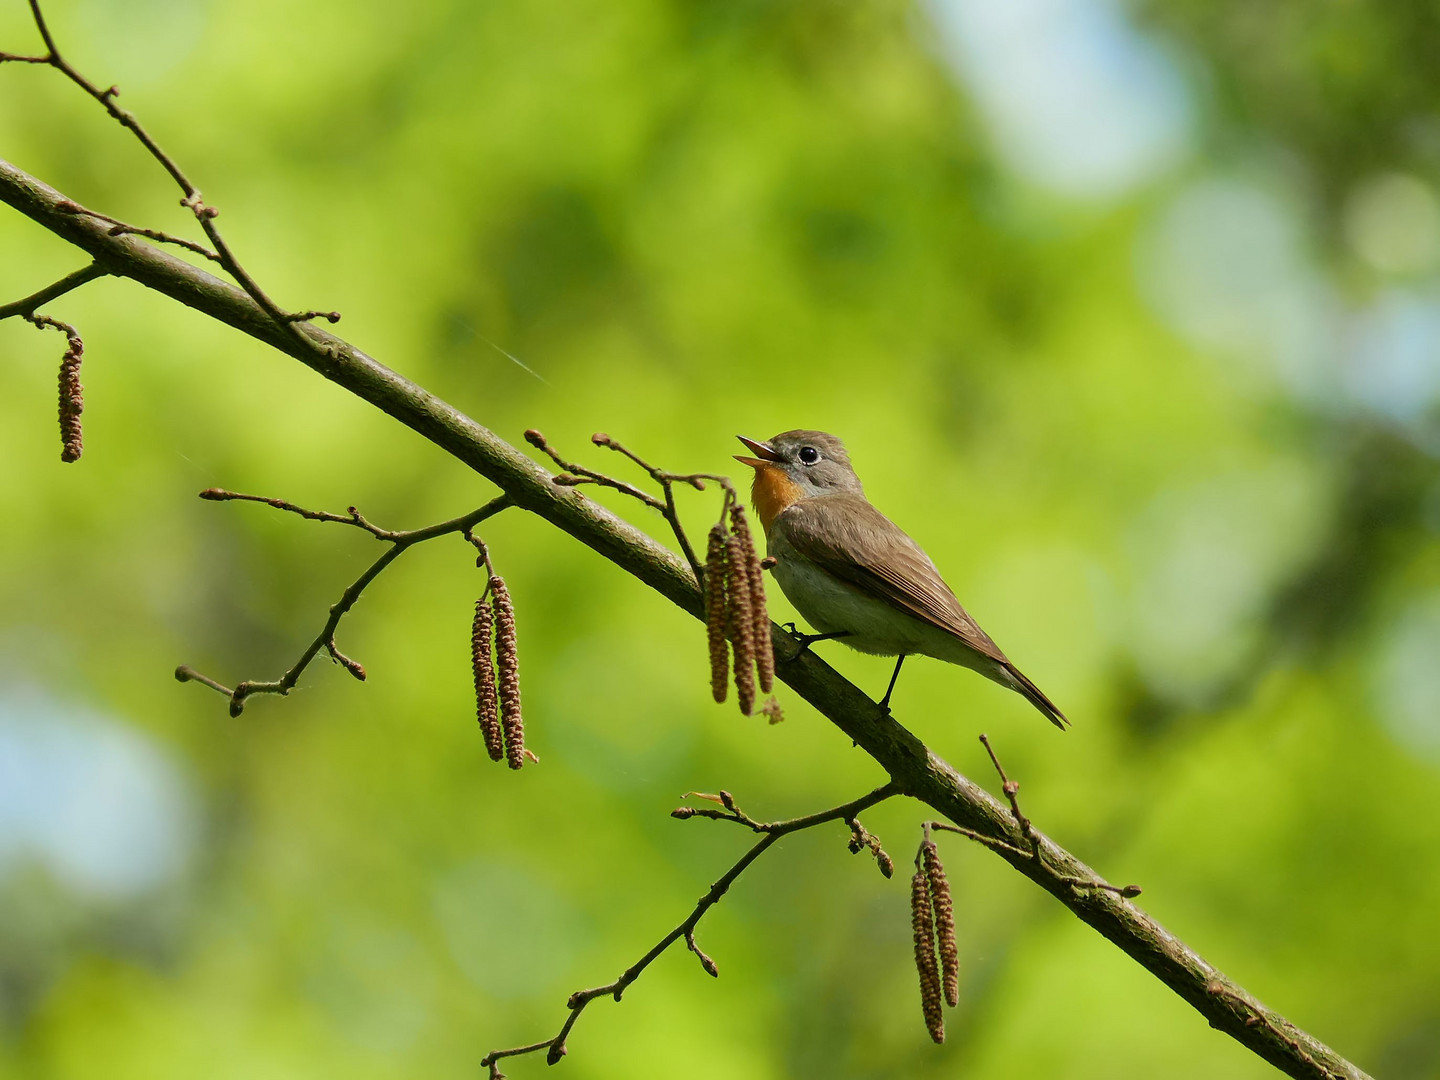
(855,575)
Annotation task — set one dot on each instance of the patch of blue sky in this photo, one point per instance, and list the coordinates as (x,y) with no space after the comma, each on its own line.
(97,803)
(1076,100)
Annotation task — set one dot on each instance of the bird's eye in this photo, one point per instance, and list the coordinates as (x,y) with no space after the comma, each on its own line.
(809,455)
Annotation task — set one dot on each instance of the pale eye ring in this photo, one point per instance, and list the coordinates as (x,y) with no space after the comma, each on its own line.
(809,455)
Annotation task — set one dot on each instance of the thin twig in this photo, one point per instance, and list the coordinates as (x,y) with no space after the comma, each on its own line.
(980,838)
(43,321)
(204,214)
(399,543)
(119,228)
(731,811)
(1011,789)
(574,475)
(555,1047)
(667,481)
(350,517)
(185,673)
(68,283)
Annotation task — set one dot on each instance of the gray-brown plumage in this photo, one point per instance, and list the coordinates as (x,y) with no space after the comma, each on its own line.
(854,573)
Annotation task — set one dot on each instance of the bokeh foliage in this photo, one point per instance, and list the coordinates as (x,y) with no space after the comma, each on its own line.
(690,220)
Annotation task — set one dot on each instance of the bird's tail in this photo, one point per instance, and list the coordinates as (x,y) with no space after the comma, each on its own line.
(1033,694)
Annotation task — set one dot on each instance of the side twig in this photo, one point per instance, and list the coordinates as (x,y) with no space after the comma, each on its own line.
(70,282)
(399,542)
(575,475)
(732,575)
(119,228)
(1011,789)
(555,1048)
(204,214)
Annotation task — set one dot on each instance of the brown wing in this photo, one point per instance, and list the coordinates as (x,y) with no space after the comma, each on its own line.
(858,544)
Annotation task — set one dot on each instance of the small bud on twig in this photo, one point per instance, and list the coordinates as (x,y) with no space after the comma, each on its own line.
(354,667)
(711,968)
(772,710)
(882,860)
(482,660)
(861,839)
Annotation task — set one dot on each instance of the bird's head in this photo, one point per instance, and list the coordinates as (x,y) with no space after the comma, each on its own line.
(797,465)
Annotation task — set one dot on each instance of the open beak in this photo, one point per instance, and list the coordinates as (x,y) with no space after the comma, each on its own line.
(763,453)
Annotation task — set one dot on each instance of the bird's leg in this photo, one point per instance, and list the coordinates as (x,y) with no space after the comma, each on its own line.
(885,701)
(806,640)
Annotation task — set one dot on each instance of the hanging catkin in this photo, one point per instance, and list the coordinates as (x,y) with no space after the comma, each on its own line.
(507,661)
(716,614)
(482,660)
(922,922)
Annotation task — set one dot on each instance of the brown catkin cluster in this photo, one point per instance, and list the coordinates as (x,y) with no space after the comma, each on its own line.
(939,888)
(482,660)
(742,623)
(507,661)
(922,921)
(715,613)
(72,401)
(735,615)
(759,617)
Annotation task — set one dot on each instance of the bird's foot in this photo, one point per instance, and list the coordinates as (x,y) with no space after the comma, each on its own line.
(806,640)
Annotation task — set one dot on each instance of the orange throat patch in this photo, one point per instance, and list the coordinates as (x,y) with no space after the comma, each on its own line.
(771,492)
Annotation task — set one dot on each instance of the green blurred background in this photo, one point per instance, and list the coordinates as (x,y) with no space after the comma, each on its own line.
(1131,314)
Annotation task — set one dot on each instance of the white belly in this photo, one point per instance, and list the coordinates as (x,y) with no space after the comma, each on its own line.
(872,625)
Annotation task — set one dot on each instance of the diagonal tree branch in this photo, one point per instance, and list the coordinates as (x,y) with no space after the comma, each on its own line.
(916,771)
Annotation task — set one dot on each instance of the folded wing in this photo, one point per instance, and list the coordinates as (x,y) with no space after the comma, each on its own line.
(861,546)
